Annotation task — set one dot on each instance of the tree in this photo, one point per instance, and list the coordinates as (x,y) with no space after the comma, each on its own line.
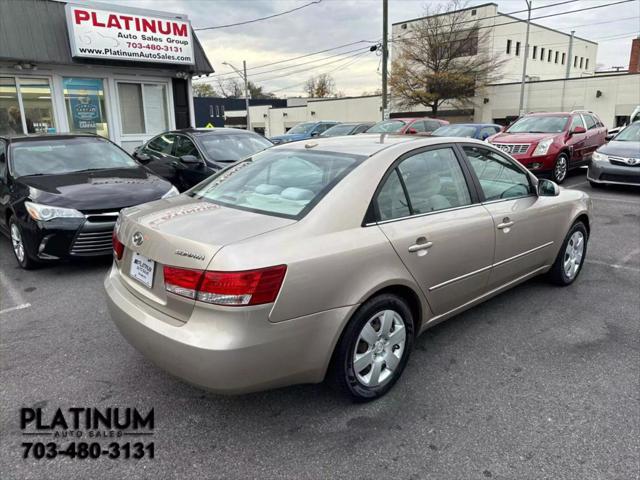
(256,91)
(443,57)
(321,86)
(203,90)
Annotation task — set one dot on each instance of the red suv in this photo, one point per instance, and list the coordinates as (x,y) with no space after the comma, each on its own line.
(552,143)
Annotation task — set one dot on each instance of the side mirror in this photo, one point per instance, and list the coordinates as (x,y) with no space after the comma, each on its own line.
(412,131)
(143,157)
(578,130)
(547,188)
(609,136)
(190,159)
(315,134)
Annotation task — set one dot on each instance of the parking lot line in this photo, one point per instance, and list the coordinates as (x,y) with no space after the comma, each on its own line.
(12,293)
(614,199)
(613,265)
(17,307)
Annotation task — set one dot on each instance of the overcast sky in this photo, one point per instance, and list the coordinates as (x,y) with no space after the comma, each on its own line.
(335,22)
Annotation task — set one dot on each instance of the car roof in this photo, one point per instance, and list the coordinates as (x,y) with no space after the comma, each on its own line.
(477,125)
(208,131)
(367,144)
(549,114)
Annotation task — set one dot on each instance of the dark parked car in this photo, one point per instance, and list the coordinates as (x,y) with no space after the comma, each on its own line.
(186,157)
(617,162)
(342,129)
(303,131)
(552,143)
(409,126)
(60,195)
(479,131)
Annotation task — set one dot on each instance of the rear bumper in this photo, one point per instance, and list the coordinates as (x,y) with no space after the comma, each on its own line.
(227,350)
(605,172)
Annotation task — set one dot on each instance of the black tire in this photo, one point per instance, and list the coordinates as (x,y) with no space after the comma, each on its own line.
(595,184)
(559,174)
(558,274)
(341,371)
(27,261)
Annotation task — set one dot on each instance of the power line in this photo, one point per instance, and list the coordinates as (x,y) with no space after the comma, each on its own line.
(258,19)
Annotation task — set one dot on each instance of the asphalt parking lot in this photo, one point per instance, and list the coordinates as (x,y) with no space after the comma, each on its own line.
(540,382)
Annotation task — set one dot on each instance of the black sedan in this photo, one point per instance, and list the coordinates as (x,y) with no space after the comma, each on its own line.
(60,195)
(186,157)
(617,162)
(343,129)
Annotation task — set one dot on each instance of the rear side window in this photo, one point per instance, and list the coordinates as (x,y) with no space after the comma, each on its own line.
(422,183)
(431,125)
(591,123)
(184,146)
(279,182)
(499,177)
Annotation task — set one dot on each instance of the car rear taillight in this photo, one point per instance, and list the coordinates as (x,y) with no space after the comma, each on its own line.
(249,287)
(118,246)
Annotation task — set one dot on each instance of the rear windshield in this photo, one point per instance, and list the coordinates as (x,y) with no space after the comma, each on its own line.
(455,131)
(279,182)
(338,130)
(387,126)
(539,124)
(59,156)
(232,147)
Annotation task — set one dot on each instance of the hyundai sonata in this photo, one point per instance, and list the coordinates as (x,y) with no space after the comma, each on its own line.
(327,258)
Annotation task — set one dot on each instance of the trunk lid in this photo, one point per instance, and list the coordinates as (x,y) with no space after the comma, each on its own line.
(185,233)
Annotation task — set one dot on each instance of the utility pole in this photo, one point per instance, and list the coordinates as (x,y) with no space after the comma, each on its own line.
(246,94)
(385,54)
(243,76)
(526,57)
(568,69)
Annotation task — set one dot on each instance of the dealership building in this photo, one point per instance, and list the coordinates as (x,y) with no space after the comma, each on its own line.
(120,72)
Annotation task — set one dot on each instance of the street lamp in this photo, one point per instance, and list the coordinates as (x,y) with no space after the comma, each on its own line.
(243,76)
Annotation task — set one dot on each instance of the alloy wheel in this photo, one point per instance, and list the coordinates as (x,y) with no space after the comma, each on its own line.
(560,170)
(16,241)
(573,255)
(379,348)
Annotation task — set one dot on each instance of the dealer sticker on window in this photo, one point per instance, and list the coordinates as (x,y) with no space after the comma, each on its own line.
(142,269)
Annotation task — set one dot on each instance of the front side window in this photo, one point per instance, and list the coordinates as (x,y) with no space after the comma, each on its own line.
(338,130)
(60,156)
(84,101)
(433,181)
(302,128)
(232,147)
(576,121)
(387,126)
(184,146)
(3,159)
(143,108)
(539,124)
(499,177)
(418,126)
(277,182)
(455,131)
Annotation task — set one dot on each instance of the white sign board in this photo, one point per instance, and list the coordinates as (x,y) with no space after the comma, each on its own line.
(116,35)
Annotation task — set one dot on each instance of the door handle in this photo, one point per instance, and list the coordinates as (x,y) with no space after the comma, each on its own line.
(421,244)
(506,223)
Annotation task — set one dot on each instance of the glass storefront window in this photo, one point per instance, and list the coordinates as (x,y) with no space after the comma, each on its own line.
(143,108)
(10,117)
(84,100)
(37,104)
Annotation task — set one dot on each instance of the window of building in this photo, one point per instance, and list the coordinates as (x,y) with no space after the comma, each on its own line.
(575,61)
(25,105)
(542,54)
(508,46)
(10,118)
(473,12)
(517,48)
(211,110)
(586,64)
(549,55)
(581,61)
(84,101)
(564,56)
(143,108)
(217,110)
(557,54)
(535,52)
